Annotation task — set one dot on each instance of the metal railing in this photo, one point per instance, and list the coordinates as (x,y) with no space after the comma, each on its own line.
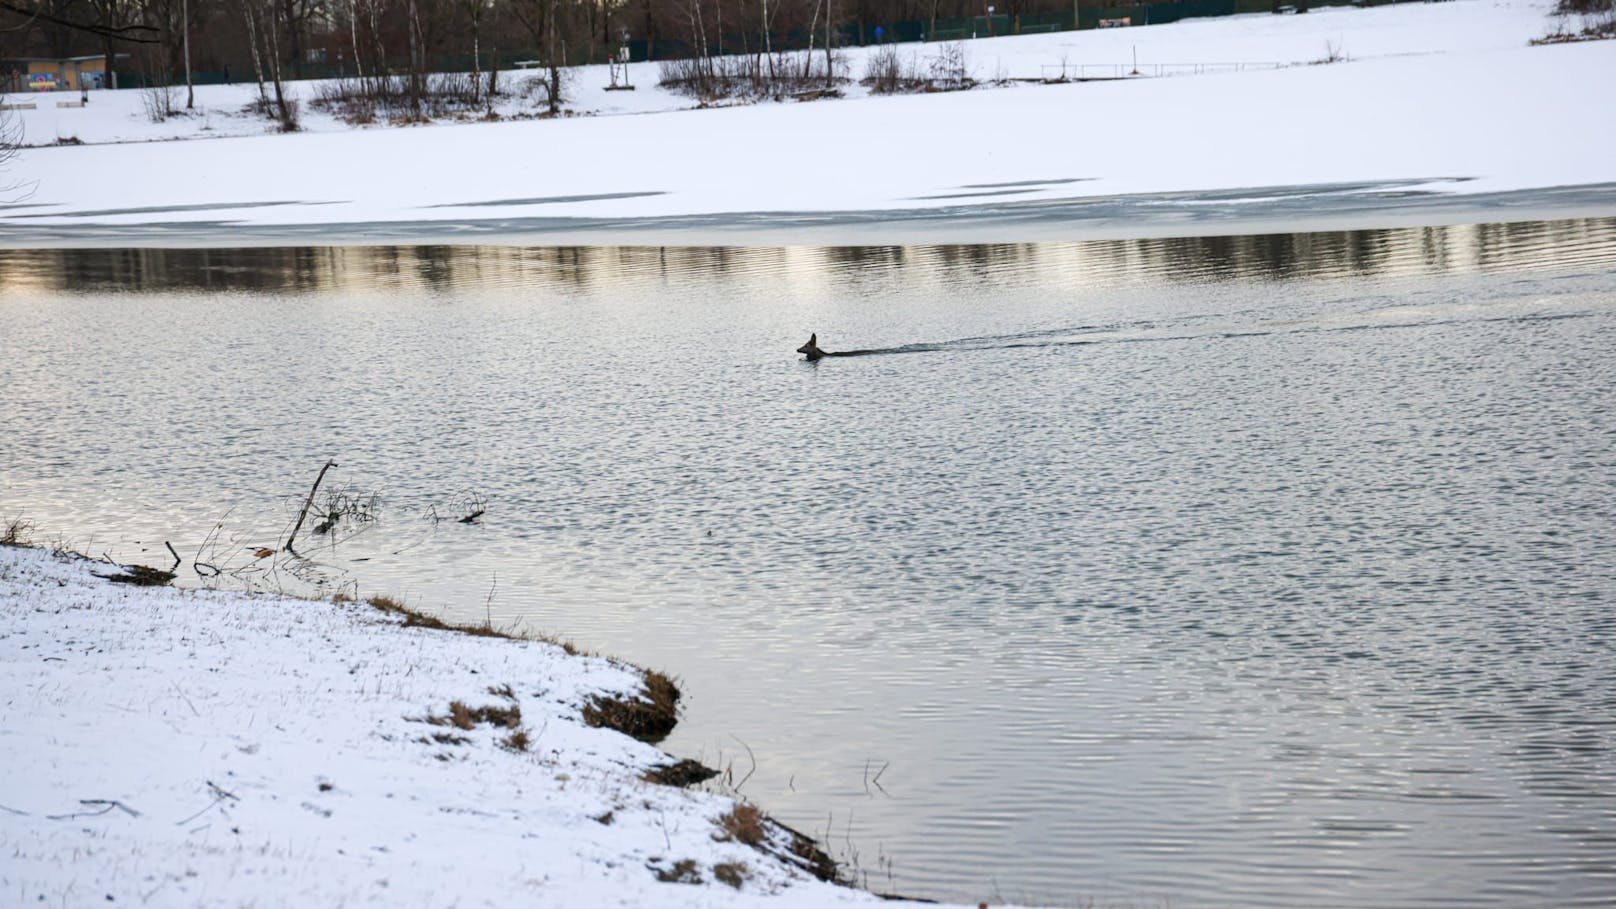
(1074,72)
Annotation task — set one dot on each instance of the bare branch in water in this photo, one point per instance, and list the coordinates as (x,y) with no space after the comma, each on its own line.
(306,503)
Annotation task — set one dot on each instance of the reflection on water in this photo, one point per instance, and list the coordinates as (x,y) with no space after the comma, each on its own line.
(1195,259)
(1240,571)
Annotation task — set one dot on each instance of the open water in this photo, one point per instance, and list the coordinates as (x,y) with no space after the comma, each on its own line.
(1250,571)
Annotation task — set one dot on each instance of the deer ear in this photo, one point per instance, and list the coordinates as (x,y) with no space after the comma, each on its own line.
(813,339)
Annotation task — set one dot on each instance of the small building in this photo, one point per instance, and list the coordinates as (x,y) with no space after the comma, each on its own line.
(48,74)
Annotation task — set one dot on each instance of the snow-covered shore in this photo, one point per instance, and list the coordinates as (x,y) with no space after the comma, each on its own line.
(168,747)
(1437,113)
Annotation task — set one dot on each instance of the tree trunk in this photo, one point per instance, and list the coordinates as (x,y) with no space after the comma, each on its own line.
(185,23)
(476,55)
(555,64)
(830,72)
(416,69)
(353,37)
(294,40)
(257,59)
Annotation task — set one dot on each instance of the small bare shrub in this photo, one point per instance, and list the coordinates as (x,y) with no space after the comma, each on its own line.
(885,73)
(890,72)
(750,77)
(17,533)
(1582,20)
(539,89)
(343,505)
(1332,54)
(284,112)
(363,101)
(353,101)
(951,68)
(158,101)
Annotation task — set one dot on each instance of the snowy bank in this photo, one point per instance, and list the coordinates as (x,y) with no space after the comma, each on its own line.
(174,747)
(1436,113)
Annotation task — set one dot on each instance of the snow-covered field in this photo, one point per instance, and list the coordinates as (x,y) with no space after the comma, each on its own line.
(167,747)
(1440,112)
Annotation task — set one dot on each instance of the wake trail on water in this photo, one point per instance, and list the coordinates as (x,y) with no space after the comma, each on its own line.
(1535,309)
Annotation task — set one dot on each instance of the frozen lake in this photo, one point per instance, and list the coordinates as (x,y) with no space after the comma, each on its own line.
(1264,570)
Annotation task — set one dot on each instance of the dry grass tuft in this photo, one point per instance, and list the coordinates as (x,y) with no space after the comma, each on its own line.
(731,873)
(683,872)
(141,576)
(742,824)
(649,717)
(516,741)
(443,738)
(810,857)
(416,619)
(461,716)
(747,825)
(682,773)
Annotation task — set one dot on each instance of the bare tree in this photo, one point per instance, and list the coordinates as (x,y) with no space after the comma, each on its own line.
(10,144)
(474,10)
(109,21)
(10,133)
(296,16)
(353,36)
(540,19)
(264,35)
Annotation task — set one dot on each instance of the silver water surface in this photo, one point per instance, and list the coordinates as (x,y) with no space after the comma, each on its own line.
(1229,571)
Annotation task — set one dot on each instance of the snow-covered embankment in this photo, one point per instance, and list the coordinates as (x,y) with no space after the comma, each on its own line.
(174,747)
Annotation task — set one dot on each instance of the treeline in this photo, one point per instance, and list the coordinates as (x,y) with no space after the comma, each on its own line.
(411,60)
(317,38)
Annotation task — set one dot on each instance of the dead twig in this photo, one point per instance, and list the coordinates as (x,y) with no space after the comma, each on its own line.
(488,605)
(750,756)
(219,795)
(306,503)
(176,555)
(876,780)
(106,805)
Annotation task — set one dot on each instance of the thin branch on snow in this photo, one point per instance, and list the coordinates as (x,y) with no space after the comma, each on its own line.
(106,806)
